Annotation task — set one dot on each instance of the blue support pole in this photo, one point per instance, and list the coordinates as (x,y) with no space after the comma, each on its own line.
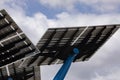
(65,67)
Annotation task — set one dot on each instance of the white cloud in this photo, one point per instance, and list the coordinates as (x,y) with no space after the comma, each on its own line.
(66,19)
(66,4)
(101,6)
(113,75)
(34,26)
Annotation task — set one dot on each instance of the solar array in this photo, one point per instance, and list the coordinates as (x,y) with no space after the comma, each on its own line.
(14,44)
(54,47)
(57,43)
(29,73)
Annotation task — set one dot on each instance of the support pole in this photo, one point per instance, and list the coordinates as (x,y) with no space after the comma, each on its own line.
(8,73)
(65,67)
(1,73)
(15,73)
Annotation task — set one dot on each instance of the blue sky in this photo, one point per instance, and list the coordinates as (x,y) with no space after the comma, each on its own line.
(35,16)
(78,6)
(35,7)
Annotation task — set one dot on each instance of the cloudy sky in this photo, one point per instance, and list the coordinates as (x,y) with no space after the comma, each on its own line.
(35,16)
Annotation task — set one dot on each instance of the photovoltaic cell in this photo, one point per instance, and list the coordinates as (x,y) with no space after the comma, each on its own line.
(56,43)
(14,44)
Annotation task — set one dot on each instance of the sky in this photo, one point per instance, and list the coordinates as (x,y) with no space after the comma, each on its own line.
(34,17)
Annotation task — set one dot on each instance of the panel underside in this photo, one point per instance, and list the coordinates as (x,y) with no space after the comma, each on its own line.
(57,43)
(14,44)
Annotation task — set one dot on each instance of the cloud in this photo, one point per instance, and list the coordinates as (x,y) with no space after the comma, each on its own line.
(37,24)
(101,65)
(13,5)
(100,6)
(33,26)
(66,19)
(103,5)
(67,4)
(114,75)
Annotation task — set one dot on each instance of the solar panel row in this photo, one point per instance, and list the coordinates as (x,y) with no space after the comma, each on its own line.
(55,45)
(14,44)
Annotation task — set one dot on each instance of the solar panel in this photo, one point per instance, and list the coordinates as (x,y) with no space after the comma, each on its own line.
(14,44)
(29,73)
(57,43)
